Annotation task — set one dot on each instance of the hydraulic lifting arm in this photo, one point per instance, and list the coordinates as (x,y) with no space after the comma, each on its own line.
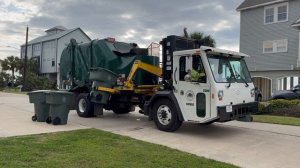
(144,66)
(128,84)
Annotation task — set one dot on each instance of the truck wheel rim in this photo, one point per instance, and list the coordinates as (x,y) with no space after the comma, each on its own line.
(164,115)
(82,105)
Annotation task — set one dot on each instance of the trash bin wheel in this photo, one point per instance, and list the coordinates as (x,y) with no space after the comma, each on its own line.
(84,107)
(34,118)
(48,120)
(56,121)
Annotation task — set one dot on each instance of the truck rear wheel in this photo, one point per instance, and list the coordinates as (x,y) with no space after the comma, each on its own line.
(84,108)
(165,116)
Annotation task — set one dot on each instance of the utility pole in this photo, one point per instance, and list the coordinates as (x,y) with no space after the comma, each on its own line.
(25,61)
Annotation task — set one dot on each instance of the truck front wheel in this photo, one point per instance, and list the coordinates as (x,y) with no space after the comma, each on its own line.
(84,108)
(165,116)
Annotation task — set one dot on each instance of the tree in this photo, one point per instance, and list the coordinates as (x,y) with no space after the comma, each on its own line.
(11,63)
(4,78)
(206,40)
(32,66)
(33,80)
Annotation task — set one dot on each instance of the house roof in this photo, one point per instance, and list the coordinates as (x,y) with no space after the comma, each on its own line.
(57,27)
(296,24)
(54,36)
(248,4)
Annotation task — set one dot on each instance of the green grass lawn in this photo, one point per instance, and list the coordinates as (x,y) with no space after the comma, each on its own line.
(277,120)
(93,148)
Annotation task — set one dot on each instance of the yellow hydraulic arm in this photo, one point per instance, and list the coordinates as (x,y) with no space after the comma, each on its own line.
(128,84)
(144,66)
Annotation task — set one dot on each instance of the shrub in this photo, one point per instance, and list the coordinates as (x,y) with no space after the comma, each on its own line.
(280,107)
(35,82)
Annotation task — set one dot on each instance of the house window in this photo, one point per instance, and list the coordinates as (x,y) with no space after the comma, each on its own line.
(276,13)
(281,45)
(36,47)
(270,15)
(268,46)
(53,62)
(282,13)
(275,46)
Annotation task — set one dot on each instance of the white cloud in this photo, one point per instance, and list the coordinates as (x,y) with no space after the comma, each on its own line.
(126,16)
(219,7)
(149,37)
(17,11)
(200,25)
(200,7)
(129,34)
(233,47)
(221,25)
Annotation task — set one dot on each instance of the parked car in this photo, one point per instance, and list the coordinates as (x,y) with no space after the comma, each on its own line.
(258,95)
(294,93)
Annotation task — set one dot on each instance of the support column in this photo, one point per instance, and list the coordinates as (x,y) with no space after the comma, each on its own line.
(299,49)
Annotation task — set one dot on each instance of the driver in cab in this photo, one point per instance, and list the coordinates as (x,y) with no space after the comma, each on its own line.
(196,74)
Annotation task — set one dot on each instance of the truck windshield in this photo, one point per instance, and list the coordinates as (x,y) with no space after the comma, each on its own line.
(229,69)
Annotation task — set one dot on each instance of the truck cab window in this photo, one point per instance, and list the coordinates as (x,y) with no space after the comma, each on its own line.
(182,68)
(197,72)
(191,69)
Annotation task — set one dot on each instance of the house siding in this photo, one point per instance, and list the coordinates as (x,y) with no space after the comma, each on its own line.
(48,55)
(254,32)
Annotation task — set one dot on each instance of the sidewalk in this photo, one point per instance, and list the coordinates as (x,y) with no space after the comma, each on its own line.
(16,113)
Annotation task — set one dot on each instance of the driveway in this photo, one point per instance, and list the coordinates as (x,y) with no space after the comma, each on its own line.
(242,144)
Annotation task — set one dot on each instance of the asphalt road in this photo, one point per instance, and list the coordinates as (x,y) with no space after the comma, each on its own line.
(242,144)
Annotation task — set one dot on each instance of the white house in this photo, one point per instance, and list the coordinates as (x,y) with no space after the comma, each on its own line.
(47,49)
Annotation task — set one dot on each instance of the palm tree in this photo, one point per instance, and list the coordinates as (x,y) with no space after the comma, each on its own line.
(11,63)
(4,78)
(206,40)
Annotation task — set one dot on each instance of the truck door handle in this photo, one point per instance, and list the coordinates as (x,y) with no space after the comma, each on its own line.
(175,75)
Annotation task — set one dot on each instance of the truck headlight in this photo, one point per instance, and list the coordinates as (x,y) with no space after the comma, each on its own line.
(220,95)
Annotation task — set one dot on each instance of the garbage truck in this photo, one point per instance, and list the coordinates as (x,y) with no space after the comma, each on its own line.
(190,83)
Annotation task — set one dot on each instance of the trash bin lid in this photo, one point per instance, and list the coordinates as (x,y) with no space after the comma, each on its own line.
(60,92)
(39,91)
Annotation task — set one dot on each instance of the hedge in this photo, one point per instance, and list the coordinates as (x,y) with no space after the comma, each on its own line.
(280,107)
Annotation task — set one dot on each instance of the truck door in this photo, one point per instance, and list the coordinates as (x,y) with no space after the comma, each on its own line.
(192,88)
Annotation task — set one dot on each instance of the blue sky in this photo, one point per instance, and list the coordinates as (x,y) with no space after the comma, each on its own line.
(139,21)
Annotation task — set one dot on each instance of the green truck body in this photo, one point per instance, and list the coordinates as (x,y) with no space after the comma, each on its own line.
(78,59)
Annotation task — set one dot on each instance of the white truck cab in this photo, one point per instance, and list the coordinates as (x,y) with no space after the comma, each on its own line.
(203,85)
(223,92)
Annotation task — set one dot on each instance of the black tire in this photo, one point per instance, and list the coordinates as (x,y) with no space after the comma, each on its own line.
(34,118)
(48,120)
(56,121)
(164,111)
(259,98)
(84,107)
